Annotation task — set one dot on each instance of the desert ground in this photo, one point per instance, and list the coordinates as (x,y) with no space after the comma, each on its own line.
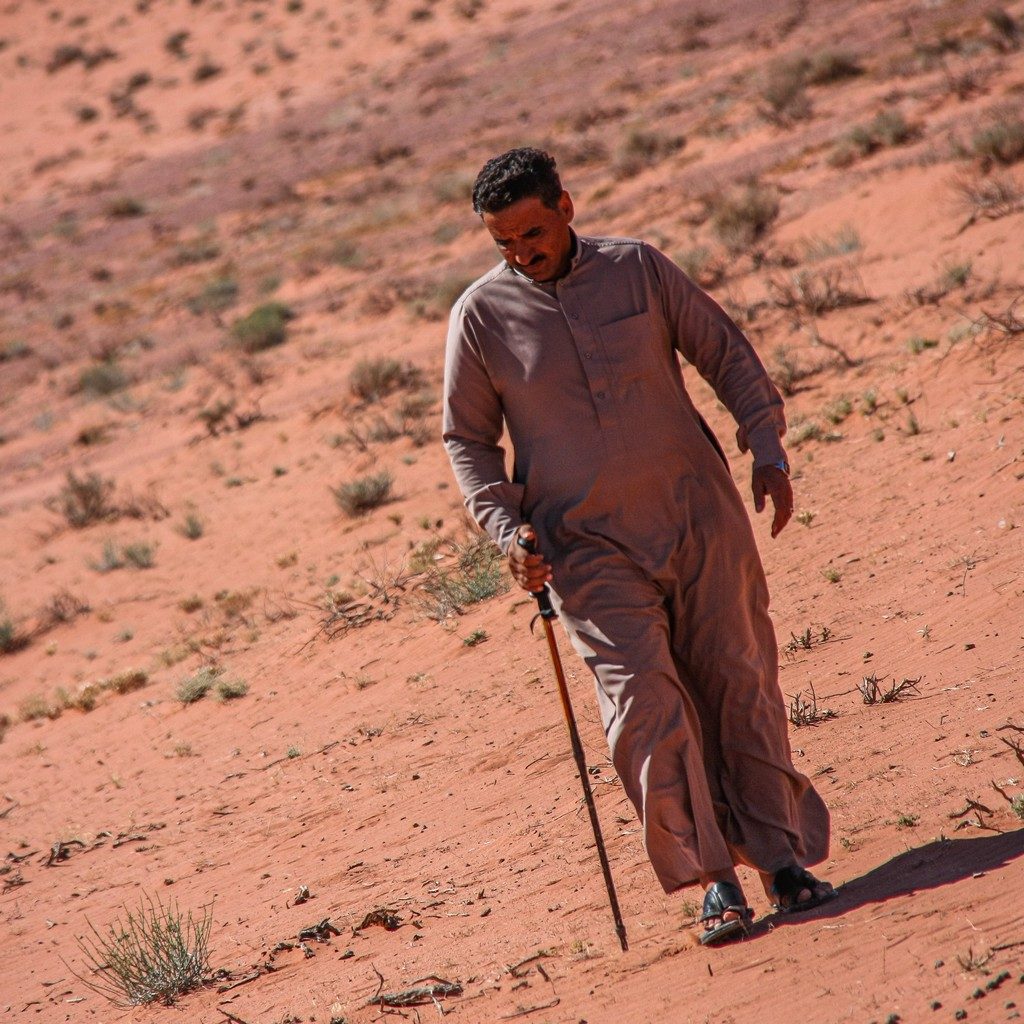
(257,667)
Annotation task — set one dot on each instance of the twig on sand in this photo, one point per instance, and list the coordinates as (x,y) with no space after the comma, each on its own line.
(513,969)
(231,1017)
(417,995)
(524,1010)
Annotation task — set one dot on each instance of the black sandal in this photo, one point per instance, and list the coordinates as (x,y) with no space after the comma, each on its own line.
(720,899)
(789,882)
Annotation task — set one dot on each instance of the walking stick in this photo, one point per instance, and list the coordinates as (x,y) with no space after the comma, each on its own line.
(546,613)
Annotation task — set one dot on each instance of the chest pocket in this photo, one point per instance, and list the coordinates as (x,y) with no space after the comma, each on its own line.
(634,346)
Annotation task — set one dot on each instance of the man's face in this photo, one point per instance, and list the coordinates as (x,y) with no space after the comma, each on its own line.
(534,238)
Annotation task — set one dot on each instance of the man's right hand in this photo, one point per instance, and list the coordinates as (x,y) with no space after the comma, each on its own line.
(530,571)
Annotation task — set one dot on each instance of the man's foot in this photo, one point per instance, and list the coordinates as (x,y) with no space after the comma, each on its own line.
(725,914)
(794,889)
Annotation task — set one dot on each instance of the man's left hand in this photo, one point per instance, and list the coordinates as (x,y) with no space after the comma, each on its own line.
(773,482)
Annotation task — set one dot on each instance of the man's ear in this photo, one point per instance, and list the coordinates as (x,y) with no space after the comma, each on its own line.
(566,207)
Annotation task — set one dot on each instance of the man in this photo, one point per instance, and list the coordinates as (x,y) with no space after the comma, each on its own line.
(571,343)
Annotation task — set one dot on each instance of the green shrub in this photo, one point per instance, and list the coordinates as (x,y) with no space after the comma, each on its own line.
(217,295)
(102,379)
(887,128)
(192,526)
(195,687)
(265,327)
(11,637)
(230,689)
(477,573)
(368,492)
(155,955)
(1001,140)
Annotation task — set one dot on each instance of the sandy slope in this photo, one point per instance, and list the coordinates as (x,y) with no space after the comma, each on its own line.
(321,159)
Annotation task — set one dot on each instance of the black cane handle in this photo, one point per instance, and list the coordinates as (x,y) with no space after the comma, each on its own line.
(543,596)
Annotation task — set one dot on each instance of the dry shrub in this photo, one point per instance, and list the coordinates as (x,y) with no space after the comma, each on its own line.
(887,128)
(470,572)
(374,379)
(102,379)
(783,92)
(361,496)
(997,195)
(643,148)
(807,292)
(741,217)
(1001,139)
(85,500)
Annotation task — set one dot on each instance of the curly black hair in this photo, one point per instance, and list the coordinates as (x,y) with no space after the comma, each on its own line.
(517,174)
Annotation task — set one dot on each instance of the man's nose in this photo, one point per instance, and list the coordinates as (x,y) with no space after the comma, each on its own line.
(523,255)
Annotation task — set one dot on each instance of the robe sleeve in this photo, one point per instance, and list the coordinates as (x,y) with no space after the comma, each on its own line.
(706,336)
(472,427)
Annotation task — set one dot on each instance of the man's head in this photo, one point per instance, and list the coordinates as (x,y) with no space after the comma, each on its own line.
(520,199)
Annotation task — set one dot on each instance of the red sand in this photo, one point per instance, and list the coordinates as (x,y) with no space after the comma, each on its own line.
(396,766)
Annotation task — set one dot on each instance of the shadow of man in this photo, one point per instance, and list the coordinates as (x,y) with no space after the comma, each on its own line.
(938,863)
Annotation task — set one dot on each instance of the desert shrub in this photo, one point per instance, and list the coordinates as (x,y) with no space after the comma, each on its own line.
(102,378)
(701,265)
(14,349)
(887,128)
(192,526)
(85,500)
(890,128)
(217,295)
(475,573)
(110,558)
(123,207)
(265,327)
(643,148)
(435,300)
(842,243)
(230,689)
(196,686)
(991,197)
(743,216)
(200,251)
(1008,32)
(37,706)
(368,492)
(11,637)
(138,555)
(829,66)
(373,379)
(807,292)
(786,371)
(206,70)
(453,188)
(125,682)
(783,92)
(155,955)
(1001,139)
